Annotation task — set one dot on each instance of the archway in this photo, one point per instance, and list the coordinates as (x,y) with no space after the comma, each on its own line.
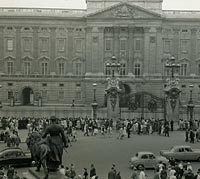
(27,94)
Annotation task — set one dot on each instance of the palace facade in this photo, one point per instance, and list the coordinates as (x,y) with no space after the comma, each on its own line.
(57,54)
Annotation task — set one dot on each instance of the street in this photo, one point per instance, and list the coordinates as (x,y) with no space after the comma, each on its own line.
(103,151)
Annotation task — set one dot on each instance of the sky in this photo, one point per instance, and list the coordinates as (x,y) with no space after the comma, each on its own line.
(80,4)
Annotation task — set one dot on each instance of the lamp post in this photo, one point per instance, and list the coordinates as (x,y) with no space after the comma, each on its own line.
(113,65)
(190,106)
(94,104)
(73,105)
(0,101)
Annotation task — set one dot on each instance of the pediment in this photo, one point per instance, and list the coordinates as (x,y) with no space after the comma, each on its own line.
(123,11)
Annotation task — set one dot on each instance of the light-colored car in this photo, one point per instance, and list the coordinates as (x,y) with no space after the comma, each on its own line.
(146,160)
(182,152)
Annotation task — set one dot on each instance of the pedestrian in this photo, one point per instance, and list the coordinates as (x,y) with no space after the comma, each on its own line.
(10,172)
(163,173)
(192,135)
(118,176)
(172,174)
(16,176)
(67,172)
(85,174)
(189,174)
(186,135)
(111,174)
(172,125)
(197,176)
(134,174)
(92,171)
(62,169)
(142,174)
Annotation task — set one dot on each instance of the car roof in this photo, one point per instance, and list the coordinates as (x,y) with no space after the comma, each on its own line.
(181,146)
(143,153)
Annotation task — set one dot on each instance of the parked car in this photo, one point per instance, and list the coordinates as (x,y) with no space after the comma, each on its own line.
(15,156)
(147,160)
(184,153)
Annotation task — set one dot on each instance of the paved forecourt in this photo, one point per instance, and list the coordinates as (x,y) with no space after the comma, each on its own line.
(103,151)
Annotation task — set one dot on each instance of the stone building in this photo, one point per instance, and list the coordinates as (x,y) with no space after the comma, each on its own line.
(53,56)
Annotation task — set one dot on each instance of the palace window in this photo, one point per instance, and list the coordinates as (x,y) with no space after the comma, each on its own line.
(183,96)
(123,43)
(27,68)
(137,70)
(61,95)
(198,70)
(44,67)
(10,45)
(61,68)
(167,46)
(183,69)
(122,71)
(44,94)
(27,44)
(137,44)
(108,45)
(78,45)
(78,69)
(107,70)
(78,95)
(10,94)
(10,67)
(44,44)
(184,46)
(61,45)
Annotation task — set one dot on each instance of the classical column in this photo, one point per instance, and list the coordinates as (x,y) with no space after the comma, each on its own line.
(35,49)
(176,43)
(101,50)
(18,50)
(1,48)
(193,50)
(159,47)
(130,50)
(52,49)
(70,48)
(89,50)
(146,50)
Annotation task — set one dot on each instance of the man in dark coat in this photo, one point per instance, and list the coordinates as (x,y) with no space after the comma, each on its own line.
(56,143)
(111,174)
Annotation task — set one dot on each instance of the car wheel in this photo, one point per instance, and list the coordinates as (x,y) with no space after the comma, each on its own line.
(140,166)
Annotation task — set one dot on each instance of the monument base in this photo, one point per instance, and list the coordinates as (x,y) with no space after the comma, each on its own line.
(41,175)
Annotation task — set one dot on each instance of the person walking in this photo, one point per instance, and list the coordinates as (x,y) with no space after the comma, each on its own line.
(142,174)
(134,174)
(92,171)
(197,176)
(112,174)
(118,176)
(85,174)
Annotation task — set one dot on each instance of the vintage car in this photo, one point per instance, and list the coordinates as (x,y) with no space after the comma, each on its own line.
(184,153)
(146,160)
(15,157)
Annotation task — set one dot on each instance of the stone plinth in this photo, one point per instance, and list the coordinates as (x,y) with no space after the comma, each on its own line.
(41,175)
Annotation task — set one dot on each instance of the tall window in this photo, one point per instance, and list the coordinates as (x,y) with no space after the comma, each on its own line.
(27,68)
(108,45)
(107,70)
(137,44)
(183,69)
(122,71)
(10,44)
(78,45)
(137,69)
(123,44)
(61,45)
(44,94)
(198,70)
(27,44)
(78,94)
(44,44)
(10,67)
(184,45)
(61,68)
(78,69)
(167,46)
(61,95)
(10,94)
(44,68)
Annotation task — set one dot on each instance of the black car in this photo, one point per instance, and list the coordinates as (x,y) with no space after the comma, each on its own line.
(15,157)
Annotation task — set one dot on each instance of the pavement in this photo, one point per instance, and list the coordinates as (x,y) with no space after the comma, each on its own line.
(103,151)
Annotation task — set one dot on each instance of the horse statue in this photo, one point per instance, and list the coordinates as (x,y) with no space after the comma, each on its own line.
(40,150)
